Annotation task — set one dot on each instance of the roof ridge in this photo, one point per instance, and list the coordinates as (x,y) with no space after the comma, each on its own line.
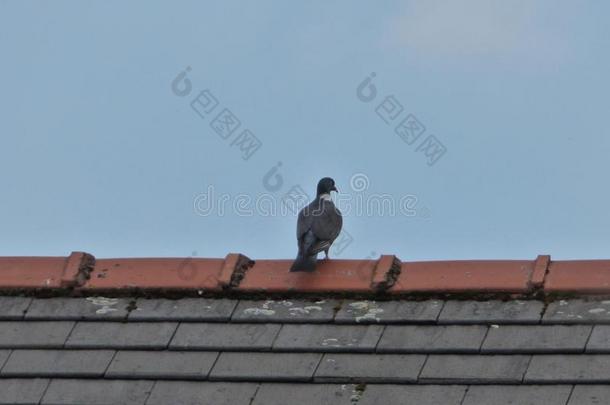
(236,274)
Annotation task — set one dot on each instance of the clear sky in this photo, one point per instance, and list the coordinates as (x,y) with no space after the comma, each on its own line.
(103,148)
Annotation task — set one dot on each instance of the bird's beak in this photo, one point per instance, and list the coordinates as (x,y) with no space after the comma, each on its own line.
(334,189)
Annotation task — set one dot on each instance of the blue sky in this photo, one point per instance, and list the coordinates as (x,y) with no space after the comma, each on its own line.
(98,152)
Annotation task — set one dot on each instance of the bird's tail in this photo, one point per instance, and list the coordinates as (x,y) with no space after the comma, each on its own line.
(304,263)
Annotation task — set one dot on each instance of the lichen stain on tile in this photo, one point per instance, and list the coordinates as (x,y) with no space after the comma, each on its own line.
(362,305)
(365,310)
(356,394)
(266,308)
(597,310)
(259,311)
(294,311)
(331,342)
(267,303)
(106,304)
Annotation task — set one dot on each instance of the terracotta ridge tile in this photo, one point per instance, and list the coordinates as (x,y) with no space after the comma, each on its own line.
(79,266)
(234,269)
(386,272)
(541,268)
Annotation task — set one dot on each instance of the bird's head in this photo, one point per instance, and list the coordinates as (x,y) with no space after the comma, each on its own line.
(326,185)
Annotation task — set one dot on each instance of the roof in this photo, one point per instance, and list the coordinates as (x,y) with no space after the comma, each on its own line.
(463,339)
(223,351)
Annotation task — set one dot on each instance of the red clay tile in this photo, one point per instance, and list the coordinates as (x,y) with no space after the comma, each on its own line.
(169,274)
(540,270)
(510,276)
(387,270)
(78,267)
(582,276)
(330,276)
(233,269)
(31,272)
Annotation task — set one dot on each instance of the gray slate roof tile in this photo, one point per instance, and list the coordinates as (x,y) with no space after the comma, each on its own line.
(517,395)
(75,309)
(493,312)
(43,335)
(590,395)
(22,391)
(306,394)
(577,311)
(201,393)
(214,336)
(265,366)
(373,368)
(116,335)
(96,392)
(13,308)
(57,363)
(161,365)
(3,357)
(185,310)
(432,339)
(536,338)
(389,311)
(569,369)
(328,338)
(599,342)
(285,311)
(473,369)
(413,394)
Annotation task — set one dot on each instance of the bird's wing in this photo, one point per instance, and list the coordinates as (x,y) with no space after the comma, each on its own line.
(307,243)
(304,221)
(327,222)
(320,246)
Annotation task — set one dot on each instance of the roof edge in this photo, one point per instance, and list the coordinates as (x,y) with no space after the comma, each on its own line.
(236,274)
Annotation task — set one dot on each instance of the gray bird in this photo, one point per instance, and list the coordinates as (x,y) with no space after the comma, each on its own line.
(318,226)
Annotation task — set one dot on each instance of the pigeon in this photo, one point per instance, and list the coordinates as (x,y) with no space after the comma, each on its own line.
(318,226)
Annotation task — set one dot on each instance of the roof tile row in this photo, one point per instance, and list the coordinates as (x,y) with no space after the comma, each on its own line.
(238,273)
(574,311)
(309,367)
(475,339)
(66,391)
